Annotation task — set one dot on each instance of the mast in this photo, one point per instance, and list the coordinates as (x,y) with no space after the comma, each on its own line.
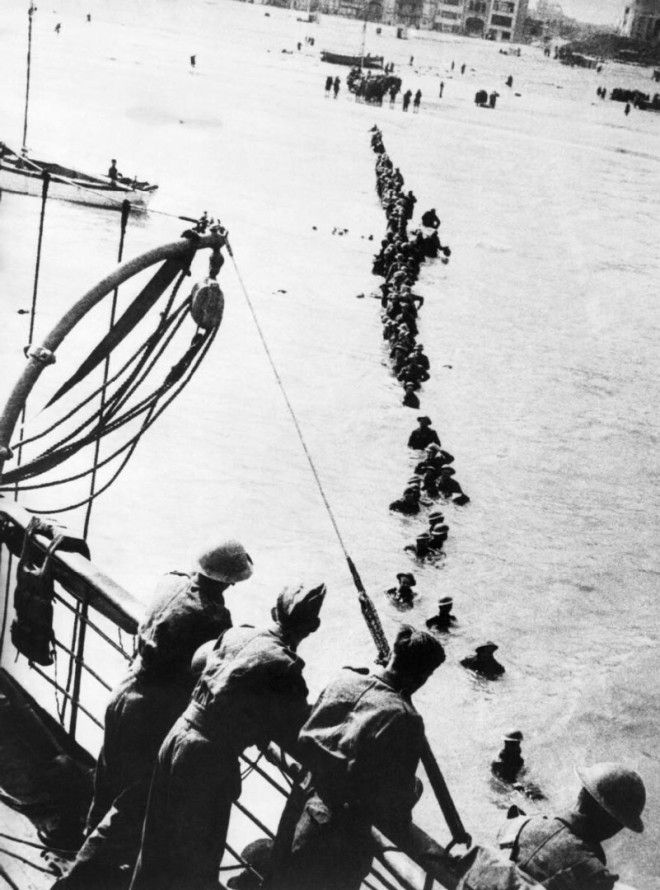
(31,12)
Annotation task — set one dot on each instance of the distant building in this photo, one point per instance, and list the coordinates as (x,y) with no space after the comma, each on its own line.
(641,20)
(500,20)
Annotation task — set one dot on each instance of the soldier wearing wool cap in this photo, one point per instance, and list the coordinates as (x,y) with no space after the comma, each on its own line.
(251,692)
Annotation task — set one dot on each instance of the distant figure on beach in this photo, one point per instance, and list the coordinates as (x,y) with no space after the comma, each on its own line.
(328,85)
(509,81)
(407,96)
(193,61)
(417,100)
(452,64)
(463,68)
(335,86)
(626,110)
(58,27)
(492,99)
(412,59)
(113,173)
(393,91)
(89,16)
(442,88)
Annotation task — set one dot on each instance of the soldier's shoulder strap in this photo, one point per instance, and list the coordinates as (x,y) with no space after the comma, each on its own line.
(507,838)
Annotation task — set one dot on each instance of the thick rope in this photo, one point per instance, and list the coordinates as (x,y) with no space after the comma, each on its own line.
(125,209)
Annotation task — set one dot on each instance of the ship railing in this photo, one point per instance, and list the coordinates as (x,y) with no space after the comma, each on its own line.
(95,621)
(98,619)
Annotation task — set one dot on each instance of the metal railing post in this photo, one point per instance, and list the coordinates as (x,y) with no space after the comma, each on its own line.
(77,674)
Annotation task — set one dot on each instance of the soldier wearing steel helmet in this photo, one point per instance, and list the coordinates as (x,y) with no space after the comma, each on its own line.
(188,609)
(251,691)
(564,852)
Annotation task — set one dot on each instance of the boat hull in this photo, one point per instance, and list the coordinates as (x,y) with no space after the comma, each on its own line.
(77,191)
(353,61)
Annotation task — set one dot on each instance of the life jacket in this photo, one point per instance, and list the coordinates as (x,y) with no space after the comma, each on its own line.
(32,628)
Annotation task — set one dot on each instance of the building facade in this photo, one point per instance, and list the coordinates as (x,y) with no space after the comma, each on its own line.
(641,20)
(500,20)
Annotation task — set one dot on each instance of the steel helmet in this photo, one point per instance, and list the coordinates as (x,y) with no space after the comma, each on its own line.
(618,790)
(227,562)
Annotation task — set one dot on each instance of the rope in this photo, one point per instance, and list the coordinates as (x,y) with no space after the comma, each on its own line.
(25,842)
(288,404)
(106,367)
(369,611)
(132,443)
(57,453)
(46,871)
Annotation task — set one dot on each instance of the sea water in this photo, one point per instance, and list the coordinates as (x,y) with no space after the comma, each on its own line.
(542,333)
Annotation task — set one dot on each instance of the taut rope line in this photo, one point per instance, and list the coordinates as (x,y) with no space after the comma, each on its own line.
(440,789)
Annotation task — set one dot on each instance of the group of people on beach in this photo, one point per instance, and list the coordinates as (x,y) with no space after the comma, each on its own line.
(332,85)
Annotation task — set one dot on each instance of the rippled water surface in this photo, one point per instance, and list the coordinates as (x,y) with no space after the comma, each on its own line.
(542,333)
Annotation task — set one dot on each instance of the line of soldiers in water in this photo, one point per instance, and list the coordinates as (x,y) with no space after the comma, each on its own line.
(399,261)
(200,691)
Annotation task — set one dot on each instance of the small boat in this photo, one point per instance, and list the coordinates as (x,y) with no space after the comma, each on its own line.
(24,175)
(367,61)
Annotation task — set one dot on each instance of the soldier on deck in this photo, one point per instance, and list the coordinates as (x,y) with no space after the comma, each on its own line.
(564,852)
(362,744)
(188,610)
(251,692)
